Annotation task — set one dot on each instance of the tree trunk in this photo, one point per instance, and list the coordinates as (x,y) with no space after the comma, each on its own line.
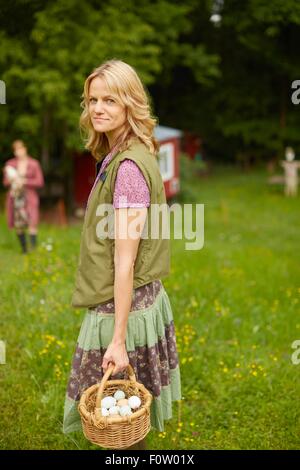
(282,115)
(45,161)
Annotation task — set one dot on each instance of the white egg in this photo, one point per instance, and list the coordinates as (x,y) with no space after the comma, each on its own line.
(104,412)
(114,410)
(122,402)
(125,410)
(119,395)
(108,402)
(134,402)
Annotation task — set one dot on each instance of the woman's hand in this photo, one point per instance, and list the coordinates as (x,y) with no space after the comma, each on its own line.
(19,183)
(117,354)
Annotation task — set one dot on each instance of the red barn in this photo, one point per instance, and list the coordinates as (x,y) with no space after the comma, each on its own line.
(169,138)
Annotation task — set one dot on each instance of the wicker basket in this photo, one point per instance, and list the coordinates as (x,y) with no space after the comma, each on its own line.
(115,432)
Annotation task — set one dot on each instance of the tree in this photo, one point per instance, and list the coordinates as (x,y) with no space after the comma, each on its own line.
(45,61)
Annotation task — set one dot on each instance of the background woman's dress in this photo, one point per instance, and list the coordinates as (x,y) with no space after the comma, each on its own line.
(34,180)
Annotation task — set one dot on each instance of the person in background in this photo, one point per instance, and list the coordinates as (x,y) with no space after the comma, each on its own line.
(23,175)
(290,167)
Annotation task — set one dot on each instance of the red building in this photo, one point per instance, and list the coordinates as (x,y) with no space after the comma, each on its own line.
(169,138)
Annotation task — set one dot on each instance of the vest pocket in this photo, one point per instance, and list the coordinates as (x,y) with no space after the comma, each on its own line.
(143,255)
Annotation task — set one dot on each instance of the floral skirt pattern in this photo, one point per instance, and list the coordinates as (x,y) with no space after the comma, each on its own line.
(151,349)
(20,213)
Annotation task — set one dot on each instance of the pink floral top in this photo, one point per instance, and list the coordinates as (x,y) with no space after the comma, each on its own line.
(131,189)
(130,186)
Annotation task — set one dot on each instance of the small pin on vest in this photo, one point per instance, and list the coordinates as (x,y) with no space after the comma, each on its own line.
(103,176)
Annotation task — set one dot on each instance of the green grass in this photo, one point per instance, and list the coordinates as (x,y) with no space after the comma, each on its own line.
(236,308)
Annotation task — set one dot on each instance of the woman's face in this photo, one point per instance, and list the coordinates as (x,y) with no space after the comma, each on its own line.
(106,114)
(20,151)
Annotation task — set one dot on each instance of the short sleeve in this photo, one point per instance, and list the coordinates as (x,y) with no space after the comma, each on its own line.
(131,189)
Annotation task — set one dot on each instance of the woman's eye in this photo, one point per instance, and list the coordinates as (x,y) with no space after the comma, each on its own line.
(108,100)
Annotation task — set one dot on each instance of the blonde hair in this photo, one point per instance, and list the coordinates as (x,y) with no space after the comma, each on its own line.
(124,83)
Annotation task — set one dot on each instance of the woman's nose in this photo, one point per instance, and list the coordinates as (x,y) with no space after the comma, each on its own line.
(98,107)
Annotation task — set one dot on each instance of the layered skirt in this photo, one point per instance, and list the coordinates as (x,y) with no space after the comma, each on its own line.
(151,349)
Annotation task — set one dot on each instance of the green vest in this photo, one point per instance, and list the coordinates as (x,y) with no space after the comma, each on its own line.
(95,273)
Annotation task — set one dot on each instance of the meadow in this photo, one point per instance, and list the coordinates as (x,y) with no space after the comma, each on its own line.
(236,305)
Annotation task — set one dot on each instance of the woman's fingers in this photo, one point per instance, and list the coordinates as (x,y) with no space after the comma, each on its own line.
(105,363)
(120,368)
(117,356)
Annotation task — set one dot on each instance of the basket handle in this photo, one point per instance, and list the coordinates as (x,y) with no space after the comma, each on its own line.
(106,376)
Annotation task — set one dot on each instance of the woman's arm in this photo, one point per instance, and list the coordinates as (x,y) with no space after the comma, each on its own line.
(131,192)
(125,255)
(127,238)
(36,180)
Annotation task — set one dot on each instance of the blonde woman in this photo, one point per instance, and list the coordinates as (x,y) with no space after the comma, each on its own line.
(128,315)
